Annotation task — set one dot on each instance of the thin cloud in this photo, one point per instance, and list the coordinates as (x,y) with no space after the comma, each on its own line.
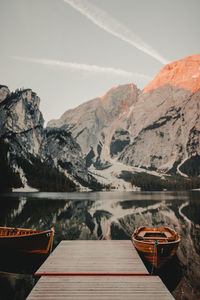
(82,67)
(103,20)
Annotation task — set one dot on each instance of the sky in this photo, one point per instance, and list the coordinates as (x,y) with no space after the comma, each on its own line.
(72,51)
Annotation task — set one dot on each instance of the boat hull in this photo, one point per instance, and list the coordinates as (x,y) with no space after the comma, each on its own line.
(156,245)
(156,255)
(26,241)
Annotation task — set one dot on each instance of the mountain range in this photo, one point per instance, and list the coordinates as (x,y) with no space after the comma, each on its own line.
(153,131)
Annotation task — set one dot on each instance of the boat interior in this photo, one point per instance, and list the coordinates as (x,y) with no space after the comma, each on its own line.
(162,235)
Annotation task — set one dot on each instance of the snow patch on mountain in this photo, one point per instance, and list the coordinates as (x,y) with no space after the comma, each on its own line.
(26,188)
(110,177)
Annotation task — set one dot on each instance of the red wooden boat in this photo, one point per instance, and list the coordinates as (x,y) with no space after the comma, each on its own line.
(156,245)
(26,240)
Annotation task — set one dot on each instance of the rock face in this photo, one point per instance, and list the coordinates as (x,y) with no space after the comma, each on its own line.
(168,132)
(156,129)
(21,127)
(120,139)
(21,121)
(94,123)
(60,150)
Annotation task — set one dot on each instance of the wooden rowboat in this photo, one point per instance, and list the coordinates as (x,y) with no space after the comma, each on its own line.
(156,245)
(26,240)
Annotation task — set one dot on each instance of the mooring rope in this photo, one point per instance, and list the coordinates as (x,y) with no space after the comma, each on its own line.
(154,251)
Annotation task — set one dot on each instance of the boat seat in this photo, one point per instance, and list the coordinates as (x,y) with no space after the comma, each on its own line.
(164,234)
(155,235)
(142,233)
(153,241)
(154,238)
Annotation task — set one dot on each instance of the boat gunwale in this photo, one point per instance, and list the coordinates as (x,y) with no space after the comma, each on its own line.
(153,243)
(34,233)
(166,241)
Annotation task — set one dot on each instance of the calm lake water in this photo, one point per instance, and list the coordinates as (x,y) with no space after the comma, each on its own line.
(106,215)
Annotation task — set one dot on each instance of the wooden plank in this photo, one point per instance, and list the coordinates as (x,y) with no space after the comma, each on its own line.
(100,288)
(93,257)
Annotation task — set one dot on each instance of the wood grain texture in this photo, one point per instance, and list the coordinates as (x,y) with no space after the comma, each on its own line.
(91,257)
(100,288)
(101,261)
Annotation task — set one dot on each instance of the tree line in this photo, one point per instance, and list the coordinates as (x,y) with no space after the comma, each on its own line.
(43,177)
(148,182)
(40,175)
(8,178)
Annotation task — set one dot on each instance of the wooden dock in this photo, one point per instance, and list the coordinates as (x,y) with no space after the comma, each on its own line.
(93,257)
(97,270)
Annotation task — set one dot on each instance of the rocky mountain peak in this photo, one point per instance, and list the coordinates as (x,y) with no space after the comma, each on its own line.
(116,90)
(4,92)
(19,112)
(184,73)
(93,123)
(110,105)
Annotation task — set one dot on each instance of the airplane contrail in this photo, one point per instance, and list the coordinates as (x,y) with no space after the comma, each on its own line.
(103,20)
(82,67)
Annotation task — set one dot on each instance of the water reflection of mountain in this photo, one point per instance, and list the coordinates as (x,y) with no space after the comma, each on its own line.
(94,217)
